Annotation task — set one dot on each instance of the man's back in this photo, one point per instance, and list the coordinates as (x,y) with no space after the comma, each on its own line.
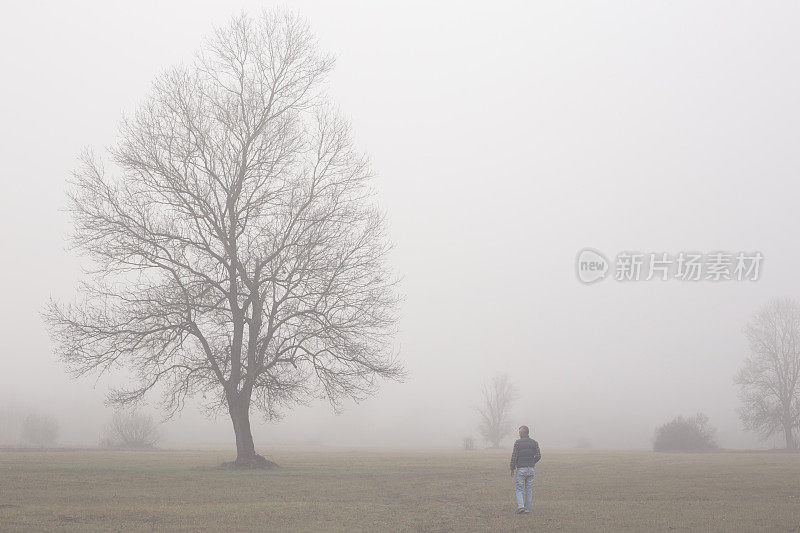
(526,453)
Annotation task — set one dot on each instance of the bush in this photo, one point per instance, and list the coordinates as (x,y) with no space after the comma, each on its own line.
(129,430)
(583,444)
(469,443)
(39,430)
(685,435)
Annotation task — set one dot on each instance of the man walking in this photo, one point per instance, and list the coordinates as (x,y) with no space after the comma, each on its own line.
(526,454)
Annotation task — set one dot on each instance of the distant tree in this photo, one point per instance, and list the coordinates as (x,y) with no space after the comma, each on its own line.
(469,443)
(685,435)
(10,420)
(39,430)
(131,430)
(583,444)
(495,409)
(770,379)
(239,252)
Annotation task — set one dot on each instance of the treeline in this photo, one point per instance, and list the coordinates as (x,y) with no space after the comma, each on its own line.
(127,430)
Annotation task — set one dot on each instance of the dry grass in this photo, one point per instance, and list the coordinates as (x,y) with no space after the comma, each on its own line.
(349,490)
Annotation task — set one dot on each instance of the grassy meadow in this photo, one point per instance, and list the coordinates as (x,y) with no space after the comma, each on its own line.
(398,490)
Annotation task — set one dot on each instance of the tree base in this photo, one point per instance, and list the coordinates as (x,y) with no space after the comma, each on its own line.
(257,462)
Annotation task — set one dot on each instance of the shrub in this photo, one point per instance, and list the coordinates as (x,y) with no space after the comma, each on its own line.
(129,430)
(469,443)
(39,430)
(685,435)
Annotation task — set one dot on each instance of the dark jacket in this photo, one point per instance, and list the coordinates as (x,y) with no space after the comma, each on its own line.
(526,453)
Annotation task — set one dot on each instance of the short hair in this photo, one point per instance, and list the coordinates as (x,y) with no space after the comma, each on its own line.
(524,430)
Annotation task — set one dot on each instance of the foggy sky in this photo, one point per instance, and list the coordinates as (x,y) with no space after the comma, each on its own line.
(505,137)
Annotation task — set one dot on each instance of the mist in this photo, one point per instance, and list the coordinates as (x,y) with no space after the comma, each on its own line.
(506,137)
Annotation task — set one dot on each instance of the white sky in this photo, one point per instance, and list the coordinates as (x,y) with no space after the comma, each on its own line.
(506,136)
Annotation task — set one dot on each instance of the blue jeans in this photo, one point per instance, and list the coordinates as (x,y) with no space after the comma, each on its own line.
(523,481)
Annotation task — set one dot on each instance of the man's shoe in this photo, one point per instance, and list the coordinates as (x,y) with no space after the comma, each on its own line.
(520,510)
(527,511)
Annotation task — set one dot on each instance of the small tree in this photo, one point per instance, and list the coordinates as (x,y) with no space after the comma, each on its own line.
(685,435)
(498,397)
(39,430)
(770,378)
(469,443)
(131,430)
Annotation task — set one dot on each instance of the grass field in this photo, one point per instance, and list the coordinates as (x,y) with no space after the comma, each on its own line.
(358,490)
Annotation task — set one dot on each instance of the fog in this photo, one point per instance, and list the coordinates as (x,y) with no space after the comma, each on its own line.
(506,137)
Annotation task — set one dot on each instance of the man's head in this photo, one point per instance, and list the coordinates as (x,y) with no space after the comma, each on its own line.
(524,431)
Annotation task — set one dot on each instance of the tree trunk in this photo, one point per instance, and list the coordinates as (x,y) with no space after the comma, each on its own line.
(246,456)
(789,434)
(240,416)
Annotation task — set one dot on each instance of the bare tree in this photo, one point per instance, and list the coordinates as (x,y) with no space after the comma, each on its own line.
(240,253)
(770,378)
(131,430)
(498,398)
(39,430)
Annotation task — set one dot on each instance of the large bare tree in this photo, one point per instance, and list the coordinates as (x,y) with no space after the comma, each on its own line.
(237,247)
(770,378)
(499,396)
